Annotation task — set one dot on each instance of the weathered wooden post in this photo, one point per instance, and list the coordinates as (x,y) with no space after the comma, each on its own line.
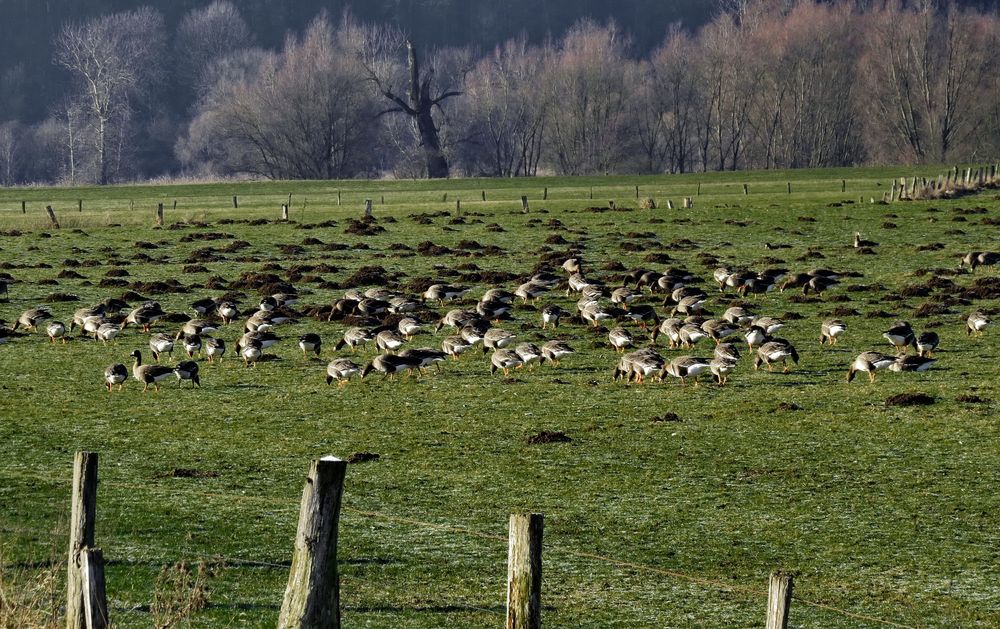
(24,208)
(52,216)
(746,189)
(698,194)
(159,214)
(458,207)
(284,211)
(892,195)
(484,195)
(81,534)
(779,600)
(545,193)
(524,203)
(843,185)
(95,599)
(637,192)
(312,597)
(368,208)
(338,197)
(591,192)
(789,185)
(524,572)
(79,205)
(383,200)
(175,204)
(236,202)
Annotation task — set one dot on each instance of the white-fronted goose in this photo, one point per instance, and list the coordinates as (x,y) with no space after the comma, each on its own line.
(454,346)
(718,330)
(556,350)
(690,333)
(671,328)
(860,242)
(144,315)
(721,368)
(107,332)
(911,363)
(161,344)
(443,292)
(529,353)
(354,338)
(192,344)
(149,374)
(228,311)
(831,330)
(408,326)
(400,305)
(775,351)
(29,319)
(214,348)
(974,325)
(900,335)
(684,367)
(727,351)
(389,365)
(388,340)
(341,370)
(620,338)
(531,290)
(56,330)
(551,314)
(424,357)
(493,310)
(504,359)
(572,265)
(196,327)
(310,342)
(927,342)
(250,352)
(187,370)
(115,374)
(737,315)
(643,315)
(869,362)
(497,338)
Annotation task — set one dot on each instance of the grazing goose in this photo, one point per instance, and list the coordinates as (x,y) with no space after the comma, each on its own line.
(456,318)
(91,324)
(310,342)
(497,338)
(975,324)
(576,283)
(354,338)
(727,351)
(529,353)
(442,293)
(373,307)
(620,338)
(671,328)
(650,280)
(192,344)
(594,313)
(831,330)
(107,332)
(643,315)
(869,362)
(770,325)
(145,315)
(493,310)
(424,356)
(497,294)
(265,320)
(83,314)
(454,346)
(187,370)
(389,365)
(473,332)
(342,308)
(262,340)
(795,280)
(341,370)
(687,367)
(977,258)
(755,336)
(689,305)
(388,341)
(737,315)
(572,265)
(228,311)
(690,333)
(911,363)
(531,290)
(56,330)
(718,330)
(637,366)
(900,335)
(555,350)
(624,296)
(552,314)
(250,352)
(149,374)
(721,368)
(161,344)
(546,278)
(721,276)
(860,242)
(115,374)
(819,284)
(775,351)
(927,342)
(205,306)
(377,292)
(214,348)
(504,359)
(31,318)
(196,327)
(408,326)
(400,305)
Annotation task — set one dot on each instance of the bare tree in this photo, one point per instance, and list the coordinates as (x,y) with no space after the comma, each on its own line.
(10,136)
(204,35)
(112,58)
(675,89)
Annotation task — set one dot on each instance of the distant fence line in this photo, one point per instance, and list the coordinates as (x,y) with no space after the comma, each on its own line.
(312,592)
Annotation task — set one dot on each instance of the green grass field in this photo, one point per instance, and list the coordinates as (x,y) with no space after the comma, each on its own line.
(884,511)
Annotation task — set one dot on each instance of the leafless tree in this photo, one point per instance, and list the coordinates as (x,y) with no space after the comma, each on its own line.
(112,59)
(675,86)
(204,35)
(10,137)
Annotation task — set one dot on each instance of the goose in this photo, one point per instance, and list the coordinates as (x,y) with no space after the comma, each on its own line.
(192,344)
(196,327)
(620,338)
(355,337)
(91,324)
(250,352)
(372,307)
(690,333)
(911,363)
(831,330)
(454,346)
(671,328)
(56,330)
(442,293)
(400,305)
(497,294)
(721,276)
(976,259)
(115,374)
(497,338)
(974,325)
(266,319)
(650,280)
(624,296)
(228,311)
(576,283)
(737,315)
(504,359)
(643,314)
(262,340)
(144,315)
(354,294)
(408,326)
(869,362)
(388,341)
(149,374)
(187,370)
(84,313)
(474,331)
(775,351)
(689,305)
(721,368)
(107,332)
(927,342)
(738,278)
(493,310)
(341,370)
(555,350)
(727,351)
(900,335)
(819,284)
(593,292)
(718,330)
(161,344)
(796,280)
(214,348)
(643,364)
(31,318)
(594,313)
(546,278)
(687,367)
(389,365)
(770,325)
(310,342)
(531,290)
(377,292)
(755,336)
(456,318)
(758,285)
(425,356)
(572,265)
(529,353)
(282,299)
(205,306)
(860,242)
(342,308)
(552,314)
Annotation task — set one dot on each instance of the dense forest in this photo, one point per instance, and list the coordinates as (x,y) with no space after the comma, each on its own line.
(114,90)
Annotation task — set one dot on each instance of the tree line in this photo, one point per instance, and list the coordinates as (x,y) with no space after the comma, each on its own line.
(764,84)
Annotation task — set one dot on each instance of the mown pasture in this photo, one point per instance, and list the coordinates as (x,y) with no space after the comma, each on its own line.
(886,511)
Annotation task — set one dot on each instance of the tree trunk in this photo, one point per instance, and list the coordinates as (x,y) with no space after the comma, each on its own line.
(422,105)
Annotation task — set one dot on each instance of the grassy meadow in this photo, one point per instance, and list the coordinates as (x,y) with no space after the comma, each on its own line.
(668,507)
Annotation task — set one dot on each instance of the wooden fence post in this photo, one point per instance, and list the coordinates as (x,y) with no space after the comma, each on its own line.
(52,216)
(746,189)
(484,195)
(591,192)
(312,597)
(698,194)
(175,204)
(236,202)
(338,197)
(368,208)
(545,193)
(159,214)
(284,211)
(79,205)
(24,209)
(524,572)
(843,185)
(383,200)
(779,600)
(637,192)
(95,599)
(81,534)
(458,207)
(524,203)
(789,184)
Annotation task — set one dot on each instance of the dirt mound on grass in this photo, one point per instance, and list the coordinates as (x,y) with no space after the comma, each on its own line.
(909,399)
(549,436)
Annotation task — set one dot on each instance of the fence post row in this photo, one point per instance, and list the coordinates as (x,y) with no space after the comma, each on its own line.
(159,214)
(524,572)
(52,216)
(779,600)
(81,538)
(312,597)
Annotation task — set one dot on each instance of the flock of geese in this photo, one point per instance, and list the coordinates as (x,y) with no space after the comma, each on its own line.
(396,319)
